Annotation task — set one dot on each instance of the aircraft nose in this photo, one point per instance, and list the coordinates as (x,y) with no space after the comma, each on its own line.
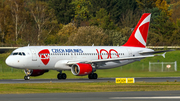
(9,61)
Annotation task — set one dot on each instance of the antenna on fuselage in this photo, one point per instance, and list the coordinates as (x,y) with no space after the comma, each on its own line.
(28,45)
(92,44)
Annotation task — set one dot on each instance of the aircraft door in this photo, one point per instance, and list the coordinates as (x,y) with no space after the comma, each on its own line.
(34,56)
(129,52)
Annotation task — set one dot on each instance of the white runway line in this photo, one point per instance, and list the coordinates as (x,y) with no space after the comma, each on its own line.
(162,97)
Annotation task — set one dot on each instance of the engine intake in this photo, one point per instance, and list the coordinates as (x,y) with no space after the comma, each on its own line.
(81,69)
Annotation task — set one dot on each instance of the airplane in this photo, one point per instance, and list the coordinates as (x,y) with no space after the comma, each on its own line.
(83,60)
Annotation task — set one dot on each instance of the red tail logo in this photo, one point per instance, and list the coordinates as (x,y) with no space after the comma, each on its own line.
(139,36)
(45,56)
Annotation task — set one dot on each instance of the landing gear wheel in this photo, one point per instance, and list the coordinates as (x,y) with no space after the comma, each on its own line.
(90,76)
(93,76)
(26,77)
(61,76)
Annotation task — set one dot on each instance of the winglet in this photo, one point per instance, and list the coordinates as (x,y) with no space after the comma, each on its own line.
(164,54)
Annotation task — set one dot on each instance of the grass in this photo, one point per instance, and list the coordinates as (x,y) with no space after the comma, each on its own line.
(86,87)
(136,69)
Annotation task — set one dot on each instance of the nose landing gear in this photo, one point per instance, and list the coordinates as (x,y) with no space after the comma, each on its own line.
(26,77)
(28,72)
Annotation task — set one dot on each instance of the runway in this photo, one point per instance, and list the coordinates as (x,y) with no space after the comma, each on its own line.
(94,96)
(150,79)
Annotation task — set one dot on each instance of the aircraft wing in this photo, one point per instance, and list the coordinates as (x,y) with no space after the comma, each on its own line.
(107,60)
(144,54)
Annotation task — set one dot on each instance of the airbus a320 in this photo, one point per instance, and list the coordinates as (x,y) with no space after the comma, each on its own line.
(82,60)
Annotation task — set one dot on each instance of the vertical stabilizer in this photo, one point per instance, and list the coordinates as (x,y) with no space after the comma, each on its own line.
(138,37)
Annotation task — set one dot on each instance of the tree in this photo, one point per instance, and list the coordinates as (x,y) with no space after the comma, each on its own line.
(175,10)
(116,37)
(163,6)
(155,12)
(44,18)
(117,8)
(18,15)
(164,27)
(155,39)
(63,10)
(66,32)
(87,36)
(81,11)
(175,38)
(129,19)
(102,20)
(6,23)
(81,8)
(146,4)
(114,8)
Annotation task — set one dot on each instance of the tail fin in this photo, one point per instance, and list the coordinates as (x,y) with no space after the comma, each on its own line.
(139,35)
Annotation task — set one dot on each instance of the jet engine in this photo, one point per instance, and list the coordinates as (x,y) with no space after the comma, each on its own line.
(81,69)
(34,72)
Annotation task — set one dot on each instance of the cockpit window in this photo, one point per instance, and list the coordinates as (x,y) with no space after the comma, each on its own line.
(18,53)
(23,53)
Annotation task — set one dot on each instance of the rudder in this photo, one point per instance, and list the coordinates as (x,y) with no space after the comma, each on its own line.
(138,37)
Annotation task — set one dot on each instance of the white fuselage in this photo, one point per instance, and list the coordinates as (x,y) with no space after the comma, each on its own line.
(57,57)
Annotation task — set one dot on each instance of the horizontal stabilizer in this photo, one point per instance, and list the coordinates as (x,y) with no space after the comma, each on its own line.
(154,52)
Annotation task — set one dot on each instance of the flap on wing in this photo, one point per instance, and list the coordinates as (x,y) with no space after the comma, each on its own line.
(112,59)
(153,52)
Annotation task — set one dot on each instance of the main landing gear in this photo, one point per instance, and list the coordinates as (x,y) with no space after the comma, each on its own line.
(93,76)
(61,75)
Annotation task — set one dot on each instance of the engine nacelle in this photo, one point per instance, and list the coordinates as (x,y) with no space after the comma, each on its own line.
(81,69)
(35,72)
